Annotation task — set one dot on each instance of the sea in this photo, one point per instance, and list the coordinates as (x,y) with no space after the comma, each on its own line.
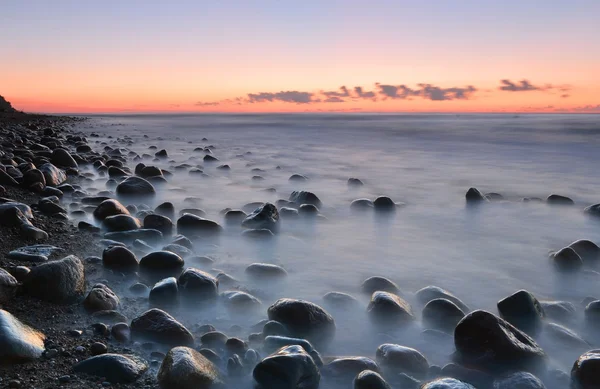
(425,163)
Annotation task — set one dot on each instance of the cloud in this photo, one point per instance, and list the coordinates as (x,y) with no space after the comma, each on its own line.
(361,94)
(526,85)
(426,91)
(207,104)
(583,109)
(334,99)
(284,96)
(343,92)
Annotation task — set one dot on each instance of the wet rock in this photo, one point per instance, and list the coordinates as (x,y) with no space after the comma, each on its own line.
(8,219)
(389,309)
(373,284)
(101,298)
(566,259)
(475,196)
(304,197)
(384,204)
(562,311)
(164,262)
(592,312)
(354,182)
(214,339)
(588,251)
(185,368)
(61,281)
(98,348)
(135,186)
(18,342)
(119,258)
(303,319)
(209,159)
(132,235)
(8,285)
(121,223)
(149,171)
(261,234)
(565,336)
(241,301)
(159,326)
(236,346)
(62,158)
(197,285)
(182,251)
(429,293)
(6,179)
(361,205)
(265,270)
(368,379)
(114,368)
(116,172)
(298,178)
(274,343)
(192,225)
(522,310)
(345,369)
(33,176)
(487,341)
(183,241)
(593,210)
(34,253)
(398,358)
(339,299)
(235,217)
(160,223)
(288,213)
(477,378)
(264,217)
(138,288)
(53,175)
(555,199)
(121,332)
(273,327)
(447,383)
(585,371)
(442,314)
(109,208)
(291,367)
(519,380)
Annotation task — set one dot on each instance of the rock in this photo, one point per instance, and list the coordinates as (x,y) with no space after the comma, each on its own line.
(192,225)
(138,288)
(109,208)
(303,319)
(241,301)
(290,367)
(160,223)
(182,251)
(32,177)
(8,286)
(261,234)
(166,209)
(62,158)
(368,379)
(116,172)
(119,258)
(53,175)
(566,259)
(265,270)
(298,178)
(6,208)
(131,235)
(20,273)
(274,343)
(157,325)
(345,369)
(477,378)
(361,205)
(101,298)
(6,179)
(522,310)
(593,210)
(264,217)
(196,285)
(555,199)
(374,284)
(150,171)
(109,316)
(288,213)
(354,182)
(114,368)
(519,380)
(121,332)
(592,312)
(18,342)
(164,262)
(442,314)
(98,348)
(304,197)
(588,251)
(121,223)
(487,341)
(135,186)
(236,346)
(235,217)
(389,309)
(384,204)
(339,299)
(562,311)
(185,368)
(565,336)
(214,339)
(61,281)
(273,327)
(183,241)
(429,293)
(447,383)
(584,374)
(475,196)
(396,358)
(209,159)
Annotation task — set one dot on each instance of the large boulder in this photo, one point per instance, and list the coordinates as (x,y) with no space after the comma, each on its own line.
(303,319)
(291,368)
(185,368)
(108,208)
(18,342)
(585,373)
(304,197)
(135,186)
(162,262)
(389,309)
(114,368)
(101,298)
(8,286)
(119,258)
(264,217)
(53,175)
(368,379)
(62,158)
(192,225)
(566,259)
(401,359)
(61,281)
(197,285)
(519,380)
(522,310)
(158,326)
(489,342)
(588,251)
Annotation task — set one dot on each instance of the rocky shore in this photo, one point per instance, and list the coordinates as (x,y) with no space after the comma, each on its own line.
(92,305)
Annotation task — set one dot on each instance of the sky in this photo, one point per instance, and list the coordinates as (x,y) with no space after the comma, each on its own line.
(78,56)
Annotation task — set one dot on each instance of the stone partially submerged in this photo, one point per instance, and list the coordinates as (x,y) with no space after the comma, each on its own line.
(290,367)
(157,325)
(264,217)
(115,368)
(303,319)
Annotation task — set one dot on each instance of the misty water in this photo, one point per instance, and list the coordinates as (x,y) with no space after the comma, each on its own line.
(480,254)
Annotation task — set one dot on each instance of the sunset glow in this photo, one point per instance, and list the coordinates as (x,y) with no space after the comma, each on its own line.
(192,56)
